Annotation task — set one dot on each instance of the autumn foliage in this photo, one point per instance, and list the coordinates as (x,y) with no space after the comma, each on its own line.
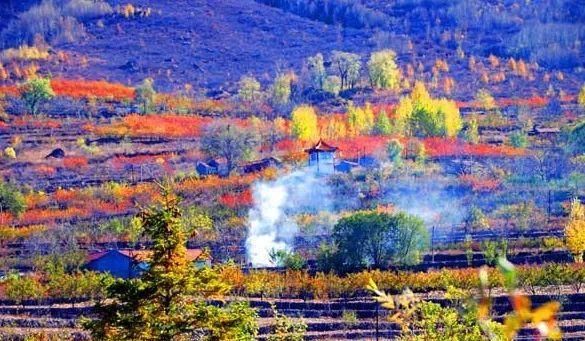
(92,89)
(479,184)
(435,147)
(440,147)
(237,200)
(81,89)
(75,163)
(9,90)
(174,126)
(29,122)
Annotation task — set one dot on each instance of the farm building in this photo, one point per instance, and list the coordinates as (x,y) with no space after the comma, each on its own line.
(261,165)
(548,133)
(210,167)
(322,157)
(368,161)
(346,166)
(131,263)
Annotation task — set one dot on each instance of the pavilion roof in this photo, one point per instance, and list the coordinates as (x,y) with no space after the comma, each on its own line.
(321,146)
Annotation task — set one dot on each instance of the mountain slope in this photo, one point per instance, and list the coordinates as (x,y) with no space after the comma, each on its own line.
(206,43)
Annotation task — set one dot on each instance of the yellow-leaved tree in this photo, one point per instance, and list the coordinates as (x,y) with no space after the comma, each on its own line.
(360,120)
(420,96)
(334,128)
(581,97)
(451,117)
(383,71)
(402,115)
(575,230)
(304,123)
(421,115)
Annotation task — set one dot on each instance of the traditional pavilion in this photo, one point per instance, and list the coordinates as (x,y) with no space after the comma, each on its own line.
(322,157)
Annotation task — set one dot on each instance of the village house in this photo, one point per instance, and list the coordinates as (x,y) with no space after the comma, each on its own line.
(131,263)
(210,167)
(549,133)
(260,165)
(346,166)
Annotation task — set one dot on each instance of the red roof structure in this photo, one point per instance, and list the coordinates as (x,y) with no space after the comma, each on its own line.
(321,146)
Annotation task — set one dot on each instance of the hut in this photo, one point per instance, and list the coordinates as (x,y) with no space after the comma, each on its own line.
(260,165)
(209,167)
(346,166)
(131,263)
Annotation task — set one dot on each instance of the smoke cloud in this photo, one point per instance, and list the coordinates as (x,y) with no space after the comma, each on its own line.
(436,202)
(272,222)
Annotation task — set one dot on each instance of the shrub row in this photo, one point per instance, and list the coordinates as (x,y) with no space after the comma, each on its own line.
(301,284)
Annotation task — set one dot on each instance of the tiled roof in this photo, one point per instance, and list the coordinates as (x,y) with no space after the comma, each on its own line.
(143,255)
(321,146)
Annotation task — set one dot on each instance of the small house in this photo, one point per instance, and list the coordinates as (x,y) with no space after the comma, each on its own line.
(260,165)
(115,262)
(346,166)
(210,167)
(546,132)
(322,157)
(131,263)
(368,161)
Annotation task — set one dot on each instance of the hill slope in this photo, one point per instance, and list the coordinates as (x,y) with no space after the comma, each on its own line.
(211,44)
(206,42)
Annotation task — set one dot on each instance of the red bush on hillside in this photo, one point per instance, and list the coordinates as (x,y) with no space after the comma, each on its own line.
(435,147)
(30,122)
(171,126)
(44,170)
(9,90)
(478,184)
(439,147)
(86,89)
(75,163)
(162,126)
(237,200)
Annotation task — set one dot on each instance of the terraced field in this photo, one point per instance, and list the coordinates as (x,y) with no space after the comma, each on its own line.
(324,319)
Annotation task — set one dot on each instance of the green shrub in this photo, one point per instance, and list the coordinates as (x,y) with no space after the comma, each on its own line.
(286,329)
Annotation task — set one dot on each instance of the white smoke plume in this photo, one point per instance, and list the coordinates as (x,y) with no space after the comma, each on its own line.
(436,202)
(272,223)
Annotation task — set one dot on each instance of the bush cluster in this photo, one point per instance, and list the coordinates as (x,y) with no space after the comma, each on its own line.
(301,284)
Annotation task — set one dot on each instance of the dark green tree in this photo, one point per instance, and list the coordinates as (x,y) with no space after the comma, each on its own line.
(168,302)
(394,149)
(519,139)
(287,259)
(378,239)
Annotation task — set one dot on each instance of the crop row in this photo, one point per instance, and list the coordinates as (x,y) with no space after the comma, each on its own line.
(301,284)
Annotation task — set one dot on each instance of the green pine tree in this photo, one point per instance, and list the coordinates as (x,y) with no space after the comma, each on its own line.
(168,302)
